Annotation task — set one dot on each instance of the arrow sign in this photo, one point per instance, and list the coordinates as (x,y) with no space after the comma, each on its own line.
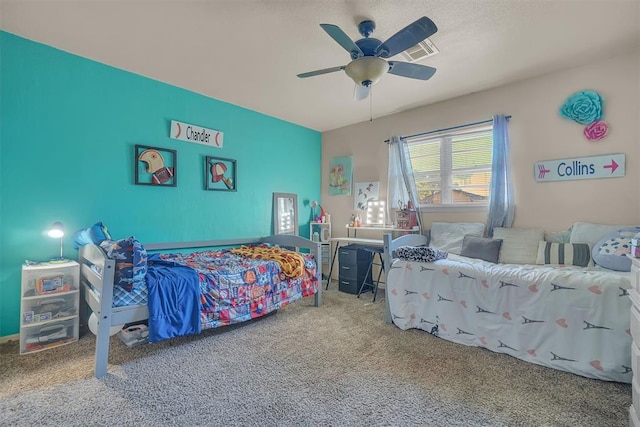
(605,166)
(613,166)
(542,172)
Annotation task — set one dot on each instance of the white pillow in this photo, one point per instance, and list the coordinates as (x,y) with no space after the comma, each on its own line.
(587,232)
(448,236)
(519,245)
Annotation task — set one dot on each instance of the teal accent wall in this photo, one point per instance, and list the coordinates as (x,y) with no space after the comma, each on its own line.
(68,126)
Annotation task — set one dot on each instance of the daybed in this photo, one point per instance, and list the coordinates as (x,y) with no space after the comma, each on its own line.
(228,288)
(570,318)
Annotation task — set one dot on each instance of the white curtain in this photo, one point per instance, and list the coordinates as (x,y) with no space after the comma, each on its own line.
(401,185)
(501,203)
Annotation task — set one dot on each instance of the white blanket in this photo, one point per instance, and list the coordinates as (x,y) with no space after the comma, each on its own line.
(569,318)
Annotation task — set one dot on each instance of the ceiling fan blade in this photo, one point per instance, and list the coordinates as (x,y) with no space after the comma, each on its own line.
(343,40)
(409,36)
(413,71)
(361,92)
(323,71)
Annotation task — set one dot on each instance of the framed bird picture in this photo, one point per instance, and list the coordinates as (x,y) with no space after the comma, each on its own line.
(155,166)
(363,193)
(220,174)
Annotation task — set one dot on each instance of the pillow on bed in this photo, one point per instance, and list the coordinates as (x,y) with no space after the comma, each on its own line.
(131,261)
(481,248)
(95,234)
(564,253)
(591,233)
(558,236)
(419,253)
(611,251)
(519,245)
(448,236)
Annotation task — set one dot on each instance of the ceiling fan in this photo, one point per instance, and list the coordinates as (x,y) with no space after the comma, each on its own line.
(368,65)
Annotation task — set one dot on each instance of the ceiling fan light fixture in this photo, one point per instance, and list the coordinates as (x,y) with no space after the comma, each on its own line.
(366,71)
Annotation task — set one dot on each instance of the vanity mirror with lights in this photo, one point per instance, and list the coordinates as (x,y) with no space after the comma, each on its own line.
(376,213)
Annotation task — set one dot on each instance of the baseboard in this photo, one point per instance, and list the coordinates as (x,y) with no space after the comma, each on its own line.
(8,338)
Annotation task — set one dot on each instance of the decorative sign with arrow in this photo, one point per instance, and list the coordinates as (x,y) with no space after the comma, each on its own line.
(606,166)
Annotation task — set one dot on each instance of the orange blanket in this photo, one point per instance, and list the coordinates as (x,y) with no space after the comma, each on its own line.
(292,263)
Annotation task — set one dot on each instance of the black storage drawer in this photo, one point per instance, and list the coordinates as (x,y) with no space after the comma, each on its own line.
(354,265)
(350,286)
(352,255)
(350,271)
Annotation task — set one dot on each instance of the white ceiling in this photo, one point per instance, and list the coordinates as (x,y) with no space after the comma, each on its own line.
(248,52)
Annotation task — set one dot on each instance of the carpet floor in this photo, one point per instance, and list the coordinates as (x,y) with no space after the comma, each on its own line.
(336,365)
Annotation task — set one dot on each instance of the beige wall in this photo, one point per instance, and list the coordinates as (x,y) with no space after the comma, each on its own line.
(537,133)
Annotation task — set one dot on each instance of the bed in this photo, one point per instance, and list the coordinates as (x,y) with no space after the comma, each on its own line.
(97,272)
(569,318)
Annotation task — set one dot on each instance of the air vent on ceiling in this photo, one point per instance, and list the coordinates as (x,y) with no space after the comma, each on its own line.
(422,50)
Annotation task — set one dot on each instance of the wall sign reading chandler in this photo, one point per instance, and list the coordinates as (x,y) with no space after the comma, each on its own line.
(198,134)
(606,166)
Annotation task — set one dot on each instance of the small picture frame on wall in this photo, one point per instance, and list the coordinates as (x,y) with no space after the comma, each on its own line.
(155,166)
(220,174)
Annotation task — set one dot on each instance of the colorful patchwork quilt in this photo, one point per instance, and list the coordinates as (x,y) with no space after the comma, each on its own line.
(235,288)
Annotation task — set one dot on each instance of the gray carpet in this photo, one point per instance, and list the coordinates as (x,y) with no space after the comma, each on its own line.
(336,365)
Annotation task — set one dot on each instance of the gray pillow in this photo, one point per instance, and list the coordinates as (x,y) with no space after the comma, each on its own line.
(481,248)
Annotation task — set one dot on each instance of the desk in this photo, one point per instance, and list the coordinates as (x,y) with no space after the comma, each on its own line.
(339,241)
(374,228)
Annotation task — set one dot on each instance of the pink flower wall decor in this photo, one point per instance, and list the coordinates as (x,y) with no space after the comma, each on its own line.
(597,130)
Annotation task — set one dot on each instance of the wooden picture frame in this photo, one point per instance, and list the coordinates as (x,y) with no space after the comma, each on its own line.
(155,166)
(220,174)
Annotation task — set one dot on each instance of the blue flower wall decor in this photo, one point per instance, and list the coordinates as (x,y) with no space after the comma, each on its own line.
(586,108)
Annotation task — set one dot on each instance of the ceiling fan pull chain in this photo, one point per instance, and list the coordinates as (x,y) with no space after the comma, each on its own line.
(371,104)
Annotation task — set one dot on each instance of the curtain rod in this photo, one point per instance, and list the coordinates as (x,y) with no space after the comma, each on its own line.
(446,129)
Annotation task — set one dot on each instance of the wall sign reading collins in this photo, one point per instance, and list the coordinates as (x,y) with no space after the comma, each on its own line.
(197,134)
(606,166)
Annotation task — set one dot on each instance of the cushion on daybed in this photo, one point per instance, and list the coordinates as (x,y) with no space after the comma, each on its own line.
(591,233)
(564,253)
(95,234)
(419,253)
(563,236)
(611,251)
(131,261)
(519,245)
(448,236)
(481,248)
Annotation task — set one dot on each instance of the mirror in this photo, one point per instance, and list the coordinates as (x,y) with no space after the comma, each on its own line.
(376,213)
(285,213)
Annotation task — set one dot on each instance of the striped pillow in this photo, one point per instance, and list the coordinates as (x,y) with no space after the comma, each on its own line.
(564,253)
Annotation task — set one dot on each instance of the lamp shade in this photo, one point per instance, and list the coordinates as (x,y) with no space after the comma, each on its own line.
(366,71)
(56,231)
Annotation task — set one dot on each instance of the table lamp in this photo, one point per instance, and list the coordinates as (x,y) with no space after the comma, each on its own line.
(57,232)
(320,218)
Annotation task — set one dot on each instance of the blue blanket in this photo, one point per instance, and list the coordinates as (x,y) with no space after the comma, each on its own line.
(174,299)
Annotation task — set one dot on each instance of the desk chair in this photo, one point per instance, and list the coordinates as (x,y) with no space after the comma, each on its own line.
(373,287)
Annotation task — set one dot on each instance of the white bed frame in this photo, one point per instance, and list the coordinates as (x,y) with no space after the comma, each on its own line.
(101,302)
(390,245)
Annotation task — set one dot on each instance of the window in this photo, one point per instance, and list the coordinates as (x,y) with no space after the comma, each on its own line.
(453,168)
